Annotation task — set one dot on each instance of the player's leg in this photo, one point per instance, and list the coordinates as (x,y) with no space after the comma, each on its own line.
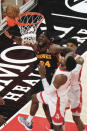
(39,97)
(58,128)
(27,122)
(47,113)
(58,113)
(76,107)
(79,123)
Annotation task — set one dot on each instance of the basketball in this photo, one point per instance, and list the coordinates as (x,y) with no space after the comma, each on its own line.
(10,21)
(12,11)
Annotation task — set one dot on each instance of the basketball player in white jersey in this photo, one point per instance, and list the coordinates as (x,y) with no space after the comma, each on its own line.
(55,95)
(75,93)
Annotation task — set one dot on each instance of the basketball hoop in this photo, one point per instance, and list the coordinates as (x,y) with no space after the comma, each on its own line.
(28,23)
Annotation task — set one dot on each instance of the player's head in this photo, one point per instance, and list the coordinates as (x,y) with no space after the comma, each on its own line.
(72,43)
(68,62)
(43,39)
(12,11)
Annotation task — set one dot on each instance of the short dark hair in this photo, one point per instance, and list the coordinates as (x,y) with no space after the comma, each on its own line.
(70,63)
(74,41)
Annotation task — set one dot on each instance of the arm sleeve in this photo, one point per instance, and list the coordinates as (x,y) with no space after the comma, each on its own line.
(45,83)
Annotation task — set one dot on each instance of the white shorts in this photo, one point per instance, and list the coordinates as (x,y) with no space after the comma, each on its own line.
(57,105)
(75,98)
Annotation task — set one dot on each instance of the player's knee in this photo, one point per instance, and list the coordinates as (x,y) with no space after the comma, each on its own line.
(34,99)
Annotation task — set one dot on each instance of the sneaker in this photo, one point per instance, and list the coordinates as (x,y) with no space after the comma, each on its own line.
(24,122)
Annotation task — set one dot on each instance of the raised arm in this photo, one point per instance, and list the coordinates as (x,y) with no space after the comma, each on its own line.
(55,49)
(16,39)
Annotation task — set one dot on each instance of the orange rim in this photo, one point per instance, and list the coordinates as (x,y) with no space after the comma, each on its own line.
(29,13)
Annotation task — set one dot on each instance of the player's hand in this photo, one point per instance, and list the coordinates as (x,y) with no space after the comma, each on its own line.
(18,40)
(2,102)
(42,70)
(80,60)
(2,120)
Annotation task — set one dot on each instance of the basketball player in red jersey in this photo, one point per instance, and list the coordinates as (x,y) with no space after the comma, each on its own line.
(75,93)
(55,95)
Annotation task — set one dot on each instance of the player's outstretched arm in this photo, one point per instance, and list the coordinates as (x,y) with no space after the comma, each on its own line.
(56,49)
(16,39)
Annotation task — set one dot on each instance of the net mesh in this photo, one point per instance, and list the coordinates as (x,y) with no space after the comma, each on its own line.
(28,31)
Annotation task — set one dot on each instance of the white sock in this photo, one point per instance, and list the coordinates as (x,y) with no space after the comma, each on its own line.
(29,119)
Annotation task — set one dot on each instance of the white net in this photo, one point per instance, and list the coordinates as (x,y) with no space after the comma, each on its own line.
(28,31)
